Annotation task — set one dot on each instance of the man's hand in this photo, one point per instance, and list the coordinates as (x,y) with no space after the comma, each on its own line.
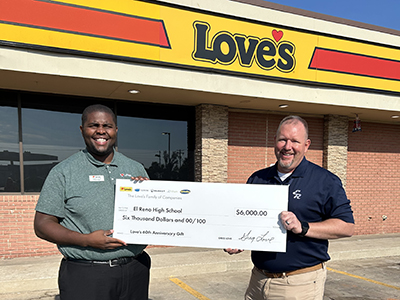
(139,178)
(48,228)
(100,239)
(290,222)
(328,229)
(233,251)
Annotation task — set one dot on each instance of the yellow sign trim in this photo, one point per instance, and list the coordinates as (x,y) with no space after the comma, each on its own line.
(137,30)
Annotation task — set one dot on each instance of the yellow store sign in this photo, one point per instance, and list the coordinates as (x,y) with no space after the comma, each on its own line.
(148,32)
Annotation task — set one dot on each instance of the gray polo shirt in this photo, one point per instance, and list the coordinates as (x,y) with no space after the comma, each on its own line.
(80,191)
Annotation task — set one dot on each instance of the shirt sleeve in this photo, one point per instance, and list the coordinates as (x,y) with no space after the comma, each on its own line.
(52,196)
(337,204)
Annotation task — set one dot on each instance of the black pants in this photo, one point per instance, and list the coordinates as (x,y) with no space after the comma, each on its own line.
(78,280)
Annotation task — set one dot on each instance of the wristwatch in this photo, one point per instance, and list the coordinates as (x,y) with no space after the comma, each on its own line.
(304,228)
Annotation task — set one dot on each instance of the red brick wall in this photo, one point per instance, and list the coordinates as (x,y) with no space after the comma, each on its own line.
(373,177)
(316,135)
(17,238)
(246,145)
(273,123)
(250,143)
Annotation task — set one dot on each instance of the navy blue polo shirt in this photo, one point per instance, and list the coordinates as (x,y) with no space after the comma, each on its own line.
(315,195)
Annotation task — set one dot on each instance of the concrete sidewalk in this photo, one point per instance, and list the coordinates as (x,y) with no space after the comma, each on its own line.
(34,275)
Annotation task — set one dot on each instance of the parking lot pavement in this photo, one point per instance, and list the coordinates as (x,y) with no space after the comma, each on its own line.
(364,279)
(213,286)
(362,267)
(356,279)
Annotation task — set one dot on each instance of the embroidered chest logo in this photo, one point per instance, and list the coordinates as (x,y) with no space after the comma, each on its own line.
(125,175)
(297,194)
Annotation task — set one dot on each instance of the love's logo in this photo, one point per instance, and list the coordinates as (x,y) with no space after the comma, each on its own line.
(225,48)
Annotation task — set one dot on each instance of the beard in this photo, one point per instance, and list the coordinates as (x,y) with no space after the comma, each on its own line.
(285,165)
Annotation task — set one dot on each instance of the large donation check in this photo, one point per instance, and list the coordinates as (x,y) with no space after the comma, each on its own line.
(194,214)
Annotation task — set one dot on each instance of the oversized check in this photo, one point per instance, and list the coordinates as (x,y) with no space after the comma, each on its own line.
(194,214)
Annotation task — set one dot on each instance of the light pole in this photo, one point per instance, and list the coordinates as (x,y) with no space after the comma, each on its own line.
(169,144)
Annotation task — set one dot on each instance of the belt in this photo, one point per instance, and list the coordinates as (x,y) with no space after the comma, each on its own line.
(111,262)
(290,273)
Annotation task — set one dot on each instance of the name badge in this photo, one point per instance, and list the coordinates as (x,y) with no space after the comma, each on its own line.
(96,178)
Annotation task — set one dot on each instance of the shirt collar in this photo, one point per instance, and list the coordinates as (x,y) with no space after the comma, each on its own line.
(298,172)
(301,168)
(96,162)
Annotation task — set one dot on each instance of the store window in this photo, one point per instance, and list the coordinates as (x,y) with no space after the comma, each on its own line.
(9,150)
(48,138)
(164,155)
(161,137)
(154,135)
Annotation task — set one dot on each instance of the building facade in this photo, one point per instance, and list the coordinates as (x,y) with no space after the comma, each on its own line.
(199,88)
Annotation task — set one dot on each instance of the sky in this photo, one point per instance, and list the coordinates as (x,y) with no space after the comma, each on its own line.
(383,13)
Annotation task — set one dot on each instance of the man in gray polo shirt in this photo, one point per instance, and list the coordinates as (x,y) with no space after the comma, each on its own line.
(75,211)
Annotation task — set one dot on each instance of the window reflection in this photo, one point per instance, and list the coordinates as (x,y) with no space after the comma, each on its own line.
(50,134)
(163,156)
(48,138)
(9,151)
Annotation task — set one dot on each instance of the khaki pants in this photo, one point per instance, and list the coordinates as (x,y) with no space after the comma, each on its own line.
(306,286)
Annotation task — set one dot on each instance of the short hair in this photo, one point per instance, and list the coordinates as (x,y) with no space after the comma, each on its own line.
(291,120)
(97,108)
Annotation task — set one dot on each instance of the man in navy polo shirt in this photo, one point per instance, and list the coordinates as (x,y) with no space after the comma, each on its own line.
(75,211)
(318,210)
